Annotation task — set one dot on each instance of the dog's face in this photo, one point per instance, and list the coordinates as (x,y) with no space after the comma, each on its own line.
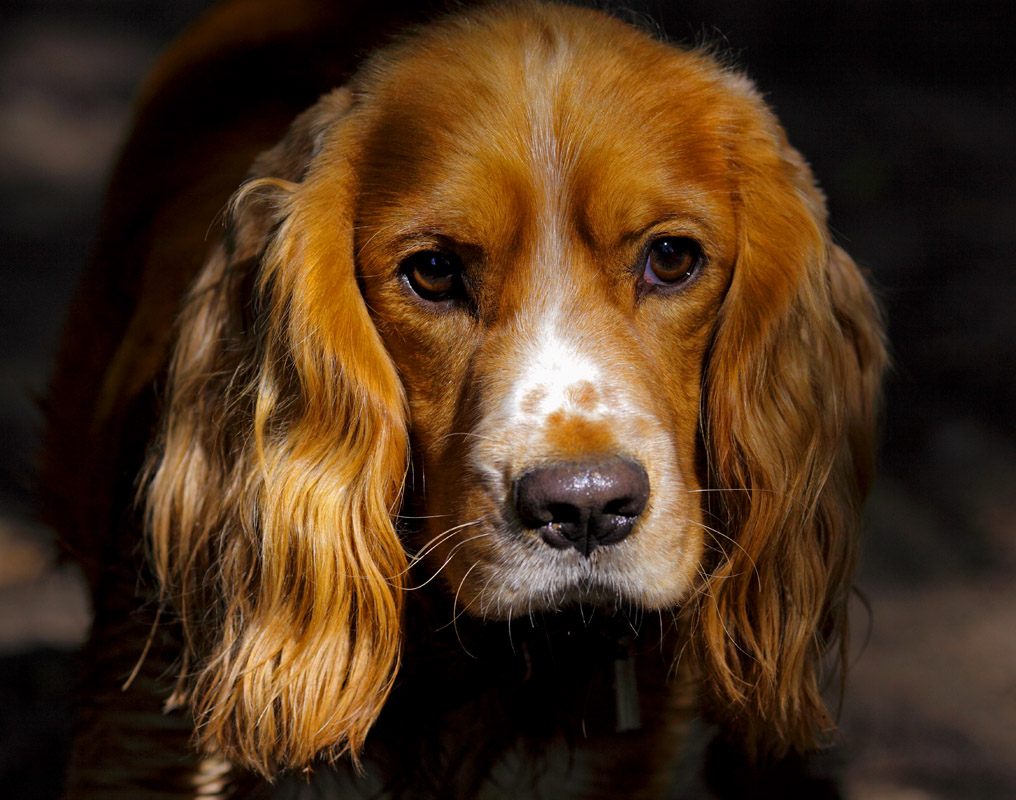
(570,288)
(546,262)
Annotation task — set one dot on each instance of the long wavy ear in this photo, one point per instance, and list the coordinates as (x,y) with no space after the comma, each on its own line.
(790,408)
(273,487)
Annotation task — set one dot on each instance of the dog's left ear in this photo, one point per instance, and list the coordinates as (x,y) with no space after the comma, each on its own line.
(789,414)
(274,485)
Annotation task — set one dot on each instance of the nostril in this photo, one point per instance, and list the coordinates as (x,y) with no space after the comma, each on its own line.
(564,513)
(581,505)
(625,506)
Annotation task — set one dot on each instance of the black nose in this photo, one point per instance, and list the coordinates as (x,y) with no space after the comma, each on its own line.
(580,505)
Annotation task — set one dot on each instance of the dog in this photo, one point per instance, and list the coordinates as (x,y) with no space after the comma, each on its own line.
(519,420)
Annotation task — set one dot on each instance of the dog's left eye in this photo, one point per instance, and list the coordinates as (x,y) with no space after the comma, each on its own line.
(434,275)
(672,260)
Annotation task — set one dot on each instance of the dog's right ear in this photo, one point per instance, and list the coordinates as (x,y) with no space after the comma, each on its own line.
(792,393)
(273,487)
(252,210)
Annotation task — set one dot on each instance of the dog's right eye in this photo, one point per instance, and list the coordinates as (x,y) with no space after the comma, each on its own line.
(434,275)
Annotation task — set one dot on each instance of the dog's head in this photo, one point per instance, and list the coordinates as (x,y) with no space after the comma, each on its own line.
(571,288)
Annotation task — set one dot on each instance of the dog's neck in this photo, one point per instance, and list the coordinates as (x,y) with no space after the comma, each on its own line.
(562,687)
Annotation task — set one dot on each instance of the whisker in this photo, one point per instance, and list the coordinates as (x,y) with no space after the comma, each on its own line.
(456,614)
(788,496)
(736,544)
(422,516)
(469,434)
(440,539)
(447,561)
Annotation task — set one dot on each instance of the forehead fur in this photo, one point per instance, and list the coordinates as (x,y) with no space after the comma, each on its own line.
(562,101)
(520,61)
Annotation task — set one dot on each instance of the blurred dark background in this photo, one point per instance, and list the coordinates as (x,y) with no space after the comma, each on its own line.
(907,111)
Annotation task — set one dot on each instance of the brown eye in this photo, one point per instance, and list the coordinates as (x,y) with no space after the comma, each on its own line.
(434,275)
(672,260)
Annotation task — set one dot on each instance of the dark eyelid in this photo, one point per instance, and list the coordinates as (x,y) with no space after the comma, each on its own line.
(409,242)
(689,226)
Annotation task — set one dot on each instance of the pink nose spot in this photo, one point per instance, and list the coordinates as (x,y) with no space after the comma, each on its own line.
(583,395)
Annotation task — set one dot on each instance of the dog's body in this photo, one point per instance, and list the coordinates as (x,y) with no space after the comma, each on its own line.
(523,413)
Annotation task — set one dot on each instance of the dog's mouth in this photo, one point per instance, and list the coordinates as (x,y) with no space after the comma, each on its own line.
(520,574)
(497,565)
(612,531)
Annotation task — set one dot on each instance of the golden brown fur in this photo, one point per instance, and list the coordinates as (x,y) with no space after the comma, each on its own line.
(335,446)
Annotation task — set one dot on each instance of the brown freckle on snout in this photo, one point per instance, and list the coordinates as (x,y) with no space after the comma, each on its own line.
(583,395)
(531,402)
(573,438)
